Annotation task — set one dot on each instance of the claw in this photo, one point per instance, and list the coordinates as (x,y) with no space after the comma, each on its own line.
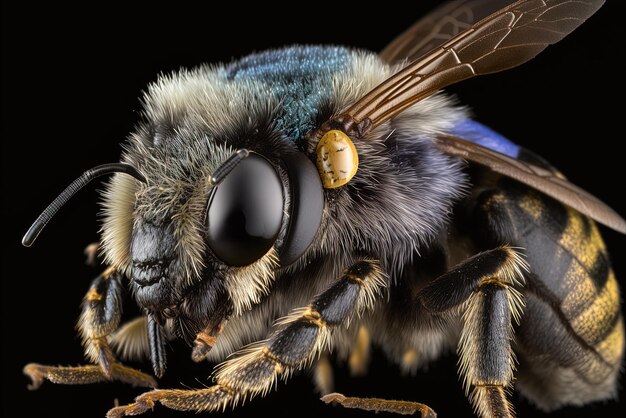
(142,404)
(333,397)
(91,254)
(128,410)
(36,375)
(105,357)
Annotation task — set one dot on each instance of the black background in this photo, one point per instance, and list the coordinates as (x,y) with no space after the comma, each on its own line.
(71,78)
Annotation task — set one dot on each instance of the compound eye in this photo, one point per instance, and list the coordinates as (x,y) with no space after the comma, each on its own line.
(245,212)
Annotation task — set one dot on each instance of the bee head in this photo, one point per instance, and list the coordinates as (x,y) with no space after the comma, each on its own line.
(228,200)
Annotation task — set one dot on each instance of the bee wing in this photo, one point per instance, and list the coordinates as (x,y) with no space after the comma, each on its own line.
(431,31)
(504,39)
(536,177)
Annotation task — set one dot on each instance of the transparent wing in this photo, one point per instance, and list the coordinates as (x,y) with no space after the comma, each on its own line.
(505,39)
(535,177)
(431,31)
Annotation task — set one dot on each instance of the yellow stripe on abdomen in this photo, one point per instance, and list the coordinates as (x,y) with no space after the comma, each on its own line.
(595,321)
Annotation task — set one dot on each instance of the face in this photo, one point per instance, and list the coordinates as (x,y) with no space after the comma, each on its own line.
(199,251)
(155,265)
(171,272)
(239,225)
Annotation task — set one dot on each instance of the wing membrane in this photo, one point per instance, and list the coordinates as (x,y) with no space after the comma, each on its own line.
(535,177)
(505,39)
(437,27)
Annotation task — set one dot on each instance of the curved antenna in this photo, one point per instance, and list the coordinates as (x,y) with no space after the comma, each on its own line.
(101,170)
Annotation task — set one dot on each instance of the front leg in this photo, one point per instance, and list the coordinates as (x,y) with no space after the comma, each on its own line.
(101,312)
(298,339)
(485,288)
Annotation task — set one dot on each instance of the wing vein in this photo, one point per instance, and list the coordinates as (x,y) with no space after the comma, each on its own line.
(502,39)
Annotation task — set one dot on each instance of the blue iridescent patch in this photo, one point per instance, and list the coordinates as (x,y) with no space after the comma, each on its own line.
(482,135)
(299,77)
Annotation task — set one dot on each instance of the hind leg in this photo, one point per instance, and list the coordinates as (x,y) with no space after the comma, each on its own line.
(323,375)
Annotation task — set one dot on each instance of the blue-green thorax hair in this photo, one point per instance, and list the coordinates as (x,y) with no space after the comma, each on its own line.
(299,77)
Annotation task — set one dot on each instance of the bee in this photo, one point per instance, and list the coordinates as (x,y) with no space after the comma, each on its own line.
(309,199)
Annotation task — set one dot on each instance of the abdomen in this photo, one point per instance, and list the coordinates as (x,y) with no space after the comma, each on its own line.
(571,338)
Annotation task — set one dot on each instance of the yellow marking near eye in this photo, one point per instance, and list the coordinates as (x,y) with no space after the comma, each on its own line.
(496,199)
(337,159)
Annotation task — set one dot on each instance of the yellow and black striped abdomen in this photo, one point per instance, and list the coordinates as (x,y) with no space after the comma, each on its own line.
(571,339)
(577,270)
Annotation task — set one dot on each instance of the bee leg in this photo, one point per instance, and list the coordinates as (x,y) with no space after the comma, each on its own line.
(298,339)
(360,355)
(484,287)
(205,340)
(358,360)
(380,405)
(83,375)
(410,361)
(323,375)
(91,254)
(101,312)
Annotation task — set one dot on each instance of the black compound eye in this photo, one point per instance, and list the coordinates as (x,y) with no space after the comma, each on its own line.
(245,212)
